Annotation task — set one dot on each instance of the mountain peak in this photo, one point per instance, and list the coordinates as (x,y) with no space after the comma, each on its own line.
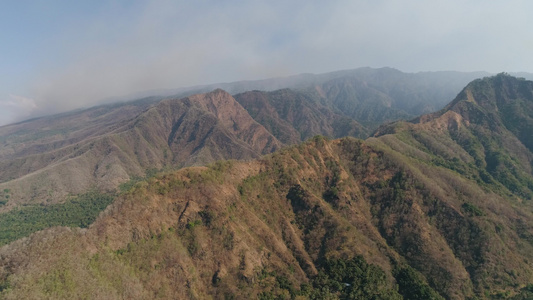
(500,102)
(492,92)
(491,123)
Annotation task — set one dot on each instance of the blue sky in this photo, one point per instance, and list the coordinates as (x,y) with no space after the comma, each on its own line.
(61,55)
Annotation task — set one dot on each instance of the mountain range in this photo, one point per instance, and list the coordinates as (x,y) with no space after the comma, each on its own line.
(46,159)
(435,206)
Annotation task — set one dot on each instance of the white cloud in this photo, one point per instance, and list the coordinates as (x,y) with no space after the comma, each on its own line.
(16,107)
(19,102)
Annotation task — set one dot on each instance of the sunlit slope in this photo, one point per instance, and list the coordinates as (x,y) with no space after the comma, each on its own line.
(173,133)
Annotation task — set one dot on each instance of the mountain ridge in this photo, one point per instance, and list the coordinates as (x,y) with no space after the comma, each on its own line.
(439,207)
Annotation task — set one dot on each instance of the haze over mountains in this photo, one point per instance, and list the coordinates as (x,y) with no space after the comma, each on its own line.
(441,83)
(436,204)
(104,146)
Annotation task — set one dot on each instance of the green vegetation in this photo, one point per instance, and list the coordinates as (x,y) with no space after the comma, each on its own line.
(525,294)
(471,209)
(279,286)
(79,211)
(126,186)
(350,279)
(221,232)
(337,279)
(411,285)
(4,196)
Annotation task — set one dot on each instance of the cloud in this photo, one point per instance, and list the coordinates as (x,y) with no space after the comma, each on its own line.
(15,107)
(19,102)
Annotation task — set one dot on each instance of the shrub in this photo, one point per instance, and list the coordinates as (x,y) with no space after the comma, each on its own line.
(471,209)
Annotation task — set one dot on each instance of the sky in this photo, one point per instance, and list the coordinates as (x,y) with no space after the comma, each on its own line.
(57,55)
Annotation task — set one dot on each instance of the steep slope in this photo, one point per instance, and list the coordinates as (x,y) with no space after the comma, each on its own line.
(483,136)
(293,117)
(232,229)
(206,127)
(501,103)
(485,132)
(174,133)
(356,99)
(439,205)
(284,226)
(336,104)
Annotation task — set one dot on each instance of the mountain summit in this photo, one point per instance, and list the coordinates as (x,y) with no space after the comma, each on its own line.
(486,130)
(500,103)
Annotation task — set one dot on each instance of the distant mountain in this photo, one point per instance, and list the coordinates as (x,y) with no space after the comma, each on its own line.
(443,85)
(369,96)
(525,75)
(439,207)
(103,147)
(57,131)
(376,96)
(294,116)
